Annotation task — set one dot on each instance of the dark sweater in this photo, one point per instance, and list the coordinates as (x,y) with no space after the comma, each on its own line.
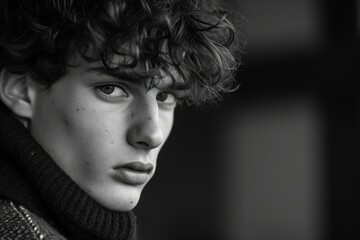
(29,177)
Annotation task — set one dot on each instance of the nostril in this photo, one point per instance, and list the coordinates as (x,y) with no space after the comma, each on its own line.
(146,134)
(149,142)
(142,144)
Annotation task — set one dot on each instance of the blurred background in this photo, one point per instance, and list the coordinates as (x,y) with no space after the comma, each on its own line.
(278,159)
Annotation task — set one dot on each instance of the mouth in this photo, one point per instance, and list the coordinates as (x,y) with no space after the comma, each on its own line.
(134,173)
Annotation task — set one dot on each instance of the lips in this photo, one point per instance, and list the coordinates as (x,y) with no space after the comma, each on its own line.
(134,173)
(139,166)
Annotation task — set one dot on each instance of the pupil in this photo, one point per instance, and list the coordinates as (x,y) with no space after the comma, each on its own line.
(161,96)
(107,89)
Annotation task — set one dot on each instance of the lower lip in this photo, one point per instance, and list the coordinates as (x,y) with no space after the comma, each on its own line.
(131,177)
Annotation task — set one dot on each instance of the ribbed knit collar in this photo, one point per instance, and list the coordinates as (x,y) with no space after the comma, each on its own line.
(73,208)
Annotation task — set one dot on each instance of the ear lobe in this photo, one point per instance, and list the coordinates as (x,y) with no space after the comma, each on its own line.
(14,93)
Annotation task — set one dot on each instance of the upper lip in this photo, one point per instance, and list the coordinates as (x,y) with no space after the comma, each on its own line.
(138,166)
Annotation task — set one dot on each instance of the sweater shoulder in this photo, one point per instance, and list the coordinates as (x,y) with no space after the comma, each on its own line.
(17,222)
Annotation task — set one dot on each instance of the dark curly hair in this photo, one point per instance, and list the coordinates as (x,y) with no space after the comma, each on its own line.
(189,36)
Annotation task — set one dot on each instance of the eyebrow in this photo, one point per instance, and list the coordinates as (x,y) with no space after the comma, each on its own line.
(105,71)
(175,86)
(178,87)
(102,70)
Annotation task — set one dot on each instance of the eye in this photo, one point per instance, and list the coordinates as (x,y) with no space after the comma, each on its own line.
(112,91)
(165,97)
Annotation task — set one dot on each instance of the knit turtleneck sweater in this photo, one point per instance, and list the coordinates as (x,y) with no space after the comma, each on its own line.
(40,185)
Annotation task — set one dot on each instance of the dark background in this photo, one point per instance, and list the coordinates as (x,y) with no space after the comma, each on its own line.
(278,159)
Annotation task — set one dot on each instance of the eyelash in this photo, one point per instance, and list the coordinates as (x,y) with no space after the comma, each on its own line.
(108,96)
(179,100)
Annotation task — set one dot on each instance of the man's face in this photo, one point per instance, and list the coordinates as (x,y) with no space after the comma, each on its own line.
(103,132)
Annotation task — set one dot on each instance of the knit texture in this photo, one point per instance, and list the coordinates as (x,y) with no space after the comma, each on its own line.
(17,222)
(78,214)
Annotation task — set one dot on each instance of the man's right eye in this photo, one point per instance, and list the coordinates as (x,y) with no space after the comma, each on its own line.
(112,91)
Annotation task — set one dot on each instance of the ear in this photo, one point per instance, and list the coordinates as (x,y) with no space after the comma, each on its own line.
(16,94)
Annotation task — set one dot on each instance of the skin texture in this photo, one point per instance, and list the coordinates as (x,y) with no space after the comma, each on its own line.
(91,123)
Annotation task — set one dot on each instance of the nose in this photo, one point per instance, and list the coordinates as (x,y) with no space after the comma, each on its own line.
(145,131)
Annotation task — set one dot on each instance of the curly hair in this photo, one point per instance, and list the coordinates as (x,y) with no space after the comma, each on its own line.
(188,37)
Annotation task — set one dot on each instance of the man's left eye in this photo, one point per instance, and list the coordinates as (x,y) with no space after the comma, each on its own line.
(165,97)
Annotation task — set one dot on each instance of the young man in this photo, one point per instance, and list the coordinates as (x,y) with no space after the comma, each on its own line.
(88,90)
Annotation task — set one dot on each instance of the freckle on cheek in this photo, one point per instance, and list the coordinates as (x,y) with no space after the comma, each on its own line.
(87,163)
(112,142)
(77,109)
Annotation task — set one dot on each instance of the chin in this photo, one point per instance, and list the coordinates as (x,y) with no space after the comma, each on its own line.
(119,201)
(125,205)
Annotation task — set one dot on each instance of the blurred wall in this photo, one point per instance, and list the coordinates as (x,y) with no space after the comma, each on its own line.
(278,158)
(275,170)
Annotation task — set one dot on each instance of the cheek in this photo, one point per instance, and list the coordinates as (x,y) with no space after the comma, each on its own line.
(167,121)
(91,142)
(98,134)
